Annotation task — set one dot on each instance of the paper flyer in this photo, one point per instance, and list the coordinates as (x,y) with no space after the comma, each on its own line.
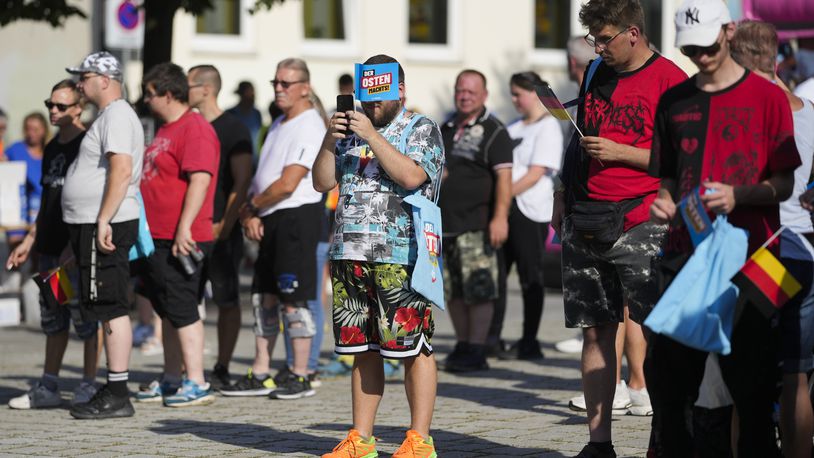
(695,216)
(376,83)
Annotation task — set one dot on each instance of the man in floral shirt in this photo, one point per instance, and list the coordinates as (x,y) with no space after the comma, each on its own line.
(378,158)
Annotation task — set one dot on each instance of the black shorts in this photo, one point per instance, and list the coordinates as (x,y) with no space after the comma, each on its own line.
(287,263)
(174,294)
(107,297)
(223,267)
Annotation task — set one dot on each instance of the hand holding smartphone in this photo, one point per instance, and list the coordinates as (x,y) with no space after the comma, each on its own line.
(344,103)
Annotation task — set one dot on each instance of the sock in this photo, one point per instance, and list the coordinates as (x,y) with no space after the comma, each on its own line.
(260,377)
(171,380)
(50,381)
(221,368)
(117,383)
(604,447)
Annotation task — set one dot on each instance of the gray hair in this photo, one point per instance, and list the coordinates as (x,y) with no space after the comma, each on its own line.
(300,65)
(581,51)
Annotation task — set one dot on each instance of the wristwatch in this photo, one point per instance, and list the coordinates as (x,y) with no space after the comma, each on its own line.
(252,208)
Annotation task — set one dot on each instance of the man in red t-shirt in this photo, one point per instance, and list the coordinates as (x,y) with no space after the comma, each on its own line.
(606,186)
(730,131)
(178,186)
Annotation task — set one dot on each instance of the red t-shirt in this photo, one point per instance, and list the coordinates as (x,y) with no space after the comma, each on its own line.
(621,107)
(740,135)
(182,147)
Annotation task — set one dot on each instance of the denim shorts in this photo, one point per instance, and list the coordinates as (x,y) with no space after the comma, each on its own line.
(58,320)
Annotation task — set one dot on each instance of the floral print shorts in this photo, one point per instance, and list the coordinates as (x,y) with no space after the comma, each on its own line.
(374,309)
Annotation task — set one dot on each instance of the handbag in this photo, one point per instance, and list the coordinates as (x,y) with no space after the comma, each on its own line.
(144,245)
(601,222)
(698,308)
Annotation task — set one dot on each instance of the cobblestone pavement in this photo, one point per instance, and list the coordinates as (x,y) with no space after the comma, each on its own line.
(515,409)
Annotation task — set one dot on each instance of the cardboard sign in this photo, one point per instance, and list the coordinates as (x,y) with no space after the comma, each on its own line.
(377,82)
(695,217)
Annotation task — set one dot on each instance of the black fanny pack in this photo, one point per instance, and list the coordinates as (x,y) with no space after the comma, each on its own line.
(601,222)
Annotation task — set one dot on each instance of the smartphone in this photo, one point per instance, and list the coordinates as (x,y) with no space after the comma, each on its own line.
(344,103)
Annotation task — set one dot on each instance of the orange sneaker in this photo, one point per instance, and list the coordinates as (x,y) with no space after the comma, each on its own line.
(415,446)
(354,447)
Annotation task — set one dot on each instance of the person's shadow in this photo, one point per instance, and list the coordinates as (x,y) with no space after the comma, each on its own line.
(276,442)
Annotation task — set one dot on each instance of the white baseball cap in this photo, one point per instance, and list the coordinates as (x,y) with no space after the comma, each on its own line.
(698,22)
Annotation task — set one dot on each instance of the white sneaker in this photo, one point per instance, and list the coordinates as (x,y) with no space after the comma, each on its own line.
(83,393)
(621,401)
(38,397)
(570,346)
(640,403)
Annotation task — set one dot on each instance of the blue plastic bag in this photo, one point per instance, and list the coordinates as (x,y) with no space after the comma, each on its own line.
(428,275)
(144,245)
(698,307)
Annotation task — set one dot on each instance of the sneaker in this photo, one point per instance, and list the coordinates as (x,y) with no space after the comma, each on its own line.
(640,403)
(220,377)
(354,446)
(282,375)
(621,401)
(103,404)
(314,380)
(141,333)
(295,387)
(190,394)
(83,393)
(415,446)
(471,361)
(338,367)
(570,345)
(591,451)
(38,397)
(393,369)
(156,391)
(527,350)
(249,385)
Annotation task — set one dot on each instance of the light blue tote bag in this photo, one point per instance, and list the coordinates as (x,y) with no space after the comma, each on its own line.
(698,307)
(144,245)
(428,277)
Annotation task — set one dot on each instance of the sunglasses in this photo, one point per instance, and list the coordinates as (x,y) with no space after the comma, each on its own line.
(284,84)
(694,51)
(60,106)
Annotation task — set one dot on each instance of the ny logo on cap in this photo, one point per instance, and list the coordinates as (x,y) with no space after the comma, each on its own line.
(691,16)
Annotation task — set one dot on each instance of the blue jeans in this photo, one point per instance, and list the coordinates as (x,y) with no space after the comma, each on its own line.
(315,306)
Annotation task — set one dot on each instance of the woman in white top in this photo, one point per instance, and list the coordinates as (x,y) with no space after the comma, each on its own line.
(538,148)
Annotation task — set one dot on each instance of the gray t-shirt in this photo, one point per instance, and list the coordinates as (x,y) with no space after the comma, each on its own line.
(117,130)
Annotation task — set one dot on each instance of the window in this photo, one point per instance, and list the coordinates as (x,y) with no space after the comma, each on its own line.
(552,22)
(324,19)
(222,19)
(652,21)
(428,22)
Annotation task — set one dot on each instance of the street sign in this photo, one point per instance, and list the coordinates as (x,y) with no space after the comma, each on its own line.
(124,24)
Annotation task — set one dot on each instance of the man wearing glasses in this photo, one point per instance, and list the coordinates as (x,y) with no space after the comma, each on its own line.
(283,213)
(607,272)
(99,205)
(729,131)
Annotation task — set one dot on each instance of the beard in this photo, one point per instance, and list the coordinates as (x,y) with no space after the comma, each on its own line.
(388,111)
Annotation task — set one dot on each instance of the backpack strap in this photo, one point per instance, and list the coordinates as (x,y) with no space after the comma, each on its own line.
(588,77)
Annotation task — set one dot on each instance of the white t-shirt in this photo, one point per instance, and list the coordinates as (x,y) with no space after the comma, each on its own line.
(792,214)
(295,142)
(117,130)
(805,90)
(541,145)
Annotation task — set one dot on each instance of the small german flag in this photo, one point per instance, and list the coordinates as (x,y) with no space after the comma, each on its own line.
(765,281)
(552,103)
(55,287)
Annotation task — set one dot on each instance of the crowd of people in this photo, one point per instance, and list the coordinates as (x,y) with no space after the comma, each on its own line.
(326,198)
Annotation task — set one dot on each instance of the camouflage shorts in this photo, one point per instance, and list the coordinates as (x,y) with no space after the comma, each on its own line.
(470,268)
(599,279)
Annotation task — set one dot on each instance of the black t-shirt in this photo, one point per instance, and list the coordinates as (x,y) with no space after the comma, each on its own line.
(473,154)
(52,232)
(234,139)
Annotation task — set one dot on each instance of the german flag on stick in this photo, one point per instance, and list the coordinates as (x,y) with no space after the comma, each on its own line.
(764,281)
(55,287)
(554,106)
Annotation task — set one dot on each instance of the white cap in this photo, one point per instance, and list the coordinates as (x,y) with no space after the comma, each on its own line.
(699,22)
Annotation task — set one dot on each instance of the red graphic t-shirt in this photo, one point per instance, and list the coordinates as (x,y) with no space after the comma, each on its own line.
(182,147)
(740,135)
(621,107)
